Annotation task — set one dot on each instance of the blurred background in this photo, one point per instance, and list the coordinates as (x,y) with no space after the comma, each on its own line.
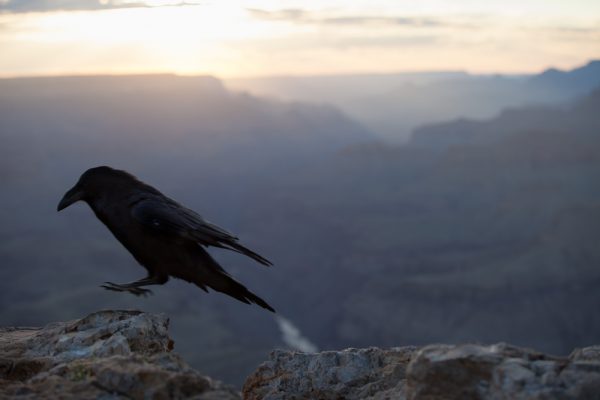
(417,171)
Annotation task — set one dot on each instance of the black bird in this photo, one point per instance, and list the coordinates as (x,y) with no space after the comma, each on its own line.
(165,237)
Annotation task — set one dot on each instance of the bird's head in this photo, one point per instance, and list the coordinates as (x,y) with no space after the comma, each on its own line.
(93,183)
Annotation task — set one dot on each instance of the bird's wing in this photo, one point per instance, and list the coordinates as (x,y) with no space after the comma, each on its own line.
(168,217)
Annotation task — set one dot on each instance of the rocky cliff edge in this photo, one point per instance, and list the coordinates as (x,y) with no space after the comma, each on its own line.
(435,372)
(127,355)
(106,355)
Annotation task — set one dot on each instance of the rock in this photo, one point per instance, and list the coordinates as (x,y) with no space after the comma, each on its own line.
(106,355)
(499,371)
(586,354)
(127,355)
(349,374)
(436,372)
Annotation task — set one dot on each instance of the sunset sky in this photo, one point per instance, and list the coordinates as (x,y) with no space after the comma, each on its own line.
(284,37)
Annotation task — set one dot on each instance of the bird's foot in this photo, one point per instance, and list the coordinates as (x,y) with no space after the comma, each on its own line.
(138,291)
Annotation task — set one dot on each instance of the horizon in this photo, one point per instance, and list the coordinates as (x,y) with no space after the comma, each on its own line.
(307,76)
(261,38)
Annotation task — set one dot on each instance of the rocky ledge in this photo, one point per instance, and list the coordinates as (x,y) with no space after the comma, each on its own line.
(127,355)
(435,372)
(106,355)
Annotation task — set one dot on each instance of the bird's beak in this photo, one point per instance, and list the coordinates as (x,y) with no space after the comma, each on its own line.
(73,195)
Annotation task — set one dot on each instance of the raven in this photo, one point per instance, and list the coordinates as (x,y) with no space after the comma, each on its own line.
(165,237)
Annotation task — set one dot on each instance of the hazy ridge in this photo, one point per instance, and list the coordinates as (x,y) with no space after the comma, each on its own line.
(392,105)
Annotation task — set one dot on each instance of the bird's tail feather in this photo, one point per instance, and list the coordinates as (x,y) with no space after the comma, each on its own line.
(210,274)
(247,252)
(218,279)
(245,296)
(226,284)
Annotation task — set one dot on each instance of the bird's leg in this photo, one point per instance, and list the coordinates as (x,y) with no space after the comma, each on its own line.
(134,287)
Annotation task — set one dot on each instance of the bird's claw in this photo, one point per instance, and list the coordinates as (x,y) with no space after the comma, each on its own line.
(138,291)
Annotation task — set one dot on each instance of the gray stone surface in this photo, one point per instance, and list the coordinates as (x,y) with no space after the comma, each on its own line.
(435,372)
(498,372)
(370,373)
(106,355)
(127,355)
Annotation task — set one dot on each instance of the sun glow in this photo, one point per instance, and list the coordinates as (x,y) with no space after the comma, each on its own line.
(188,39)
(260,37)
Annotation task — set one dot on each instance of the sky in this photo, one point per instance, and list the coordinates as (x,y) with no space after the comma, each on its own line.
(284,37)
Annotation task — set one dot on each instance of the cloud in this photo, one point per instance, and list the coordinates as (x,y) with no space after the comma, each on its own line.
(563,33)
(380,21)
(387,41)
(371,37)
(292,14)
(304,17)
(23,6)
(575,30)
(20,6)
